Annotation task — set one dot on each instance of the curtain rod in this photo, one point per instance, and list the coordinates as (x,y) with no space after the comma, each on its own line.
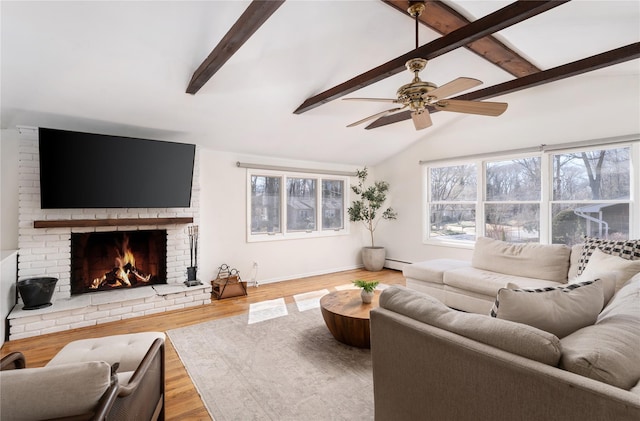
(542,148)
(293,169)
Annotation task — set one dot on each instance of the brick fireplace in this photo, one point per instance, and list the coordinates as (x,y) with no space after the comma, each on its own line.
(45,249)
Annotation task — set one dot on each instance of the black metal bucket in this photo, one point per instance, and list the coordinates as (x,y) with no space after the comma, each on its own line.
(37,292)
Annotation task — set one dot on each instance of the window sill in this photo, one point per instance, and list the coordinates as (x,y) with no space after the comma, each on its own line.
(260,238)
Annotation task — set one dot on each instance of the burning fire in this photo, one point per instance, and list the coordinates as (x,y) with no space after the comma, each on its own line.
(124,272)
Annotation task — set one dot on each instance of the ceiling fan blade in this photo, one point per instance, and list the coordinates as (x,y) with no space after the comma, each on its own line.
(371,99)
(371,117)
(472,107)
(457,85)
(421,119)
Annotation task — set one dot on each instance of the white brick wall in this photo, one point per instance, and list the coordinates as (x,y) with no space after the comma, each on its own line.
(47,251)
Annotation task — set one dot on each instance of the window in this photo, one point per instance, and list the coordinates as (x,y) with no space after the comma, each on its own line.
(545,197)
(265,204)
(591,195)
(333,204)
(301,204)
(286,205)
(452,209)
(512,205)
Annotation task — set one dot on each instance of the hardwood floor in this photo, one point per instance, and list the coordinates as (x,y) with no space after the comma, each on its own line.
(182,400)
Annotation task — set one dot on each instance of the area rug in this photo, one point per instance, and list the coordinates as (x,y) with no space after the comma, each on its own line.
(283,368)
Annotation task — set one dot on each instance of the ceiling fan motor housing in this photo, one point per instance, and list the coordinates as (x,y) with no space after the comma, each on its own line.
(413,94)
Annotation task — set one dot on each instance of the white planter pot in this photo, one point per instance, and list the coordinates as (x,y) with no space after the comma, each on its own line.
(373,258)
(367,297)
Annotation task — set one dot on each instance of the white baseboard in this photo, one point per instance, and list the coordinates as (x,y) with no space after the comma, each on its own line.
(392,264)
(307,274)
(395,264)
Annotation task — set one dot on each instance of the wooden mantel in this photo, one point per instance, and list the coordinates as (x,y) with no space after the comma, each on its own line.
(74,223)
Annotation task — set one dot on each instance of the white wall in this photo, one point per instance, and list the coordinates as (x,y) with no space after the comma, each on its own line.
(9,189)
(223,228)
(223,222)
(591,106)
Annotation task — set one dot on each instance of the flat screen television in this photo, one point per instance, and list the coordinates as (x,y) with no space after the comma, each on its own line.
(84,170)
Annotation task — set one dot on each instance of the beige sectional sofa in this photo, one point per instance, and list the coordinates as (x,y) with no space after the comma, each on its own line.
(431,362)
(473,285)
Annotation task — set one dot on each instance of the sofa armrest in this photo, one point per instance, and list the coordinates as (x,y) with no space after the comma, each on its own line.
(12,361)
(420,369)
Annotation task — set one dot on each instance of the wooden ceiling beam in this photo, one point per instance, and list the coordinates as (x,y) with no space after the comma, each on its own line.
(599,61)
(444,20)
(496,21)
(256,14)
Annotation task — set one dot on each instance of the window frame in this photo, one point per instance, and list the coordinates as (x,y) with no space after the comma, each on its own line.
(285,234)
(546,199)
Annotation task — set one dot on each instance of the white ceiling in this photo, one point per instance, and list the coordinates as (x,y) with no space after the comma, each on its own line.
(122,67)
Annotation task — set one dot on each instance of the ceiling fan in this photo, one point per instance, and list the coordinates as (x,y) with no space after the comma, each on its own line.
(418,95)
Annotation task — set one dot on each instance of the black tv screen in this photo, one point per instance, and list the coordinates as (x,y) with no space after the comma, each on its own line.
(83,170)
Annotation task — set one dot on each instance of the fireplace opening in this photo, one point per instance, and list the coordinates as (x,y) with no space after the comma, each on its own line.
(104,261)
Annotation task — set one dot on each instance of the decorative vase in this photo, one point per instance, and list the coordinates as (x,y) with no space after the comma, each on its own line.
(373,258)
(367,296)
(37,292)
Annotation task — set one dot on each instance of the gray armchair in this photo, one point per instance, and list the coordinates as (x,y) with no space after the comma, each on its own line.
(117,377)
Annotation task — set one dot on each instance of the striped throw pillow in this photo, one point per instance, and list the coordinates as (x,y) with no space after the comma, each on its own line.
(627,249)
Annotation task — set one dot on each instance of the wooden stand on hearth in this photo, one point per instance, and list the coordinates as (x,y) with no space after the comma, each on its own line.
(228,284)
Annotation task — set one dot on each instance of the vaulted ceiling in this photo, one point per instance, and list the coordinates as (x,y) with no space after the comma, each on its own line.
(265,78)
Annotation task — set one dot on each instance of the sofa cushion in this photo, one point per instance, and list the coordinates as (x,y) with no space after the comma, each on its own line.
(608,350)
(522,340)
(432,270)
(530,260)
(627,249)
(601,262)
(128,350)
(62,390)
(488,283)
(558,310)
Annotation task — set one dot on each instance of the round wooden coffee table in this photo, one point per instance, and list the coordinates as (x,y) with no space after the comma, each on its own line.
(347,317)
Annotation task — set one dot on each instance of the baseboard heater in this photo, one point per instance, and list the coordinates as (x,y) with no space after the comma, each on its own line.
(395,264)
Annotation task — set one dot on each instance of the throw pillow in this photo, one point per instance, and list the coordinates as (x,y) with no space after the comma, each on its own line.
(627,249)
(608,350)
(558,310)
(600,263)
(526,341)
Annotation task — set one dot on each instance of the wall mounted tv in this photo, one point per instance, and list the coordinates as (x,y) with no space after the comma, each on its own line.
(83,170)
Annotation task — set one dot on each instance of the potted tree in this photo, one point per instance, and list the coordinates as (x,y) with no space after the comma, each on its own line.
(368,210)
